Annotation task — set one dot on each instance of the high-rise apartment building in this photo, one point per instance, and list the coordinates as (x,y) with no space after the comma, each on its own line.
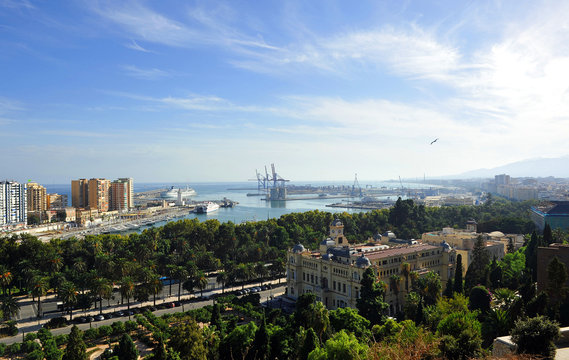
(37,198)
(13,203)
(80,193)
(56,201)
(99,194)
(121,194)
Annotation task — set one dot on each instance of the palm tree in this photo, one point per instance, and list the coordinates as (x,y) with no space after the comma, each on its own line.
(201,281)
(222,279)
(405,271)
(278,268)
(242,273)
(414,276)
(101,288)
(39,289)
(6,277)
(155,285)
(68,294)
(394,284)
(9,307)
(180,274)
(170,271)
(127,289)
(261,271)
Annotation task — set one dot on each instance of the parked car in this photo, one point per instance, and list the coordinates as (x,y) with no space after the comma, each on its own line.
(108,316)
(81,319)
(99,317)
(177,303)
(90,319)
(118,313)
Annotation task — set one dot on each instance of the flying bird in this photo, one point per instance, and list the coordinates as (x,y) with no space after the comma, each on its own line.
(434,141)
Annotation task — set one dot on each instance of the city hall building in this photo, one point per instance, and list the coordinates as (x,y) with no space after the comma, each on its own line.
(334,271)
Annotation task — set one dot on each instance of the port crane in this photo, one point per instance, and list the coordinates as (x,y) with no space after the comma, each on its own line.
(356,188)
(272,184)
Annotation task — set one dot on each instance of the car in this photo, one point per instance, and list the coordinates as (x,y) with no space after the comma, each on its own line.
(170,305)
(129,312)
(108,316)
(265,287)
(152,308)
(136,310)
(81,319)
(90,319)
(240,292)
(99,317)
(119,313)
(254,290)
(177,304)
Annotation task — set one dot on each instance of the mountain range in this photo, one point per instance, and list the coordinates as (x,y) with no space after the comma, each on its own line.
(538,167)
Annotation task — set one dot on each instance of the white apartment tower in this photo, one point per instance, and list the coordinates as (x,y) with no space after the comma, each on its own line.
(13,203)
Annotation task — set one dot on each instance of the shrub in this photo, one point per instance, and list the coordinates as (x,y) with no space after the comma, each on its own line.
(30,345)
(14,348)
(55,323)
(2,349)
(91,334)
(44,335)
(61,339)
(536,336)
(105,330)
(30,337)
(35,355)
(118,328)
(130,325)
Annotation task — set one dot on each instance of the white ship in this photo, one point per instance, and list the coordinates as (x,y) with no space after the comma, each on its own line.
(172,193)
(206,207)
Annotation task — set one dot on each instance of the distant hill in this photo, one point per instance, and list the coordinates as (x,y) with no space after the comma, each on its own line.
(539,167)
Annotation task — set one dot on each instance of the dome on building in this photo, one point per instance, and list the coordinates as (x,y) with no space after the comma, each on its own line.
(327,256)
(363,262)
(446,246)
(496,234)
(377,236)
(389,235)
(336,222)
(298,248)
(328,242)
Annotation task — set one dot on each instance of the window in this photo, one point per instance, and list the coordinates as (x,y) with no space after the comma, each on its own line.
(334,285)
(312,278)
(344,290)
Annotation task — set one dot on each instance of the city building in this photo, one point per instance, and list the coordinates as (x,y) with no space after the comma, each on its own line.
(56,201)
(99,194)
(544,257)
(13,203)
(37,198)
(80,193)
(86,217)
(121,194)
(554,213)
(334,271)
(463,241)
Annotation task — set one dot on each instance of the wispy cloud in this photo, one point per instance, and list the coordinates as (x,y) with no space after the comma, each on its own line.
(145,74)
(15,4)
(135,46)
(81,133)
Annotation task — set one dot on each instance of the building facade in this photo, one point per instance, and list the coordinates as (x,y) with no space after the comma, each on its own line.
(80,193)
(544,256)
(99,194)
(334,272)
(121,194)
(463,241)
(37,197)
(13,203)
(56,201)
(556,214)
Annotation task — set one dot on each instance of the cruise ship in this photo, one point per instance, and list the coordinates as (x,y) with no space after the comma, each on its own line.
(206,207)
(172,193)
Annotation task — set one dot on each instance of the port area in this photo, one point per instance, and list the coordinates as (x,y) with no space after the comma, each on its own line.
(376,205)
(318,197)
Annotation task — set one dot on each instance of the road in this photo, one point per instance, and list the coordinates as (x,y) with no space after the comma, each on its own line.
(28,323)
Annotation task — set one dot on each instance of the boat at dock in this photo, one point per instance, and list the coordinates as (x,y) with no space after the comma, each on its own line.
(206,207)
(173,192)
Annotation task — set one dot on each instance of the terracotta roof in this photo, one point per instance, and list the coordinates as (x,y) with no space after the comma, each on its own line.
(400,251)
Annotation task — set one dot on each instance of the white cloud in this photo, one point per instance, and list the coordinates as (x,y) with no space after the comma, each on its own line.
(145,74)
(135,46)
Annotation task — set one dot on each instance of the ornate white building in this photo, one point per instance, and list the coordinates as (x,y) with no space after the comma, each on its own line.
(334,271)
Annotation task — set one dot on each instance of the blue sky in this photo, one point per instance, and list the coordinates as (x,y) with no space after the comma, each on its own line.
(191,91)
